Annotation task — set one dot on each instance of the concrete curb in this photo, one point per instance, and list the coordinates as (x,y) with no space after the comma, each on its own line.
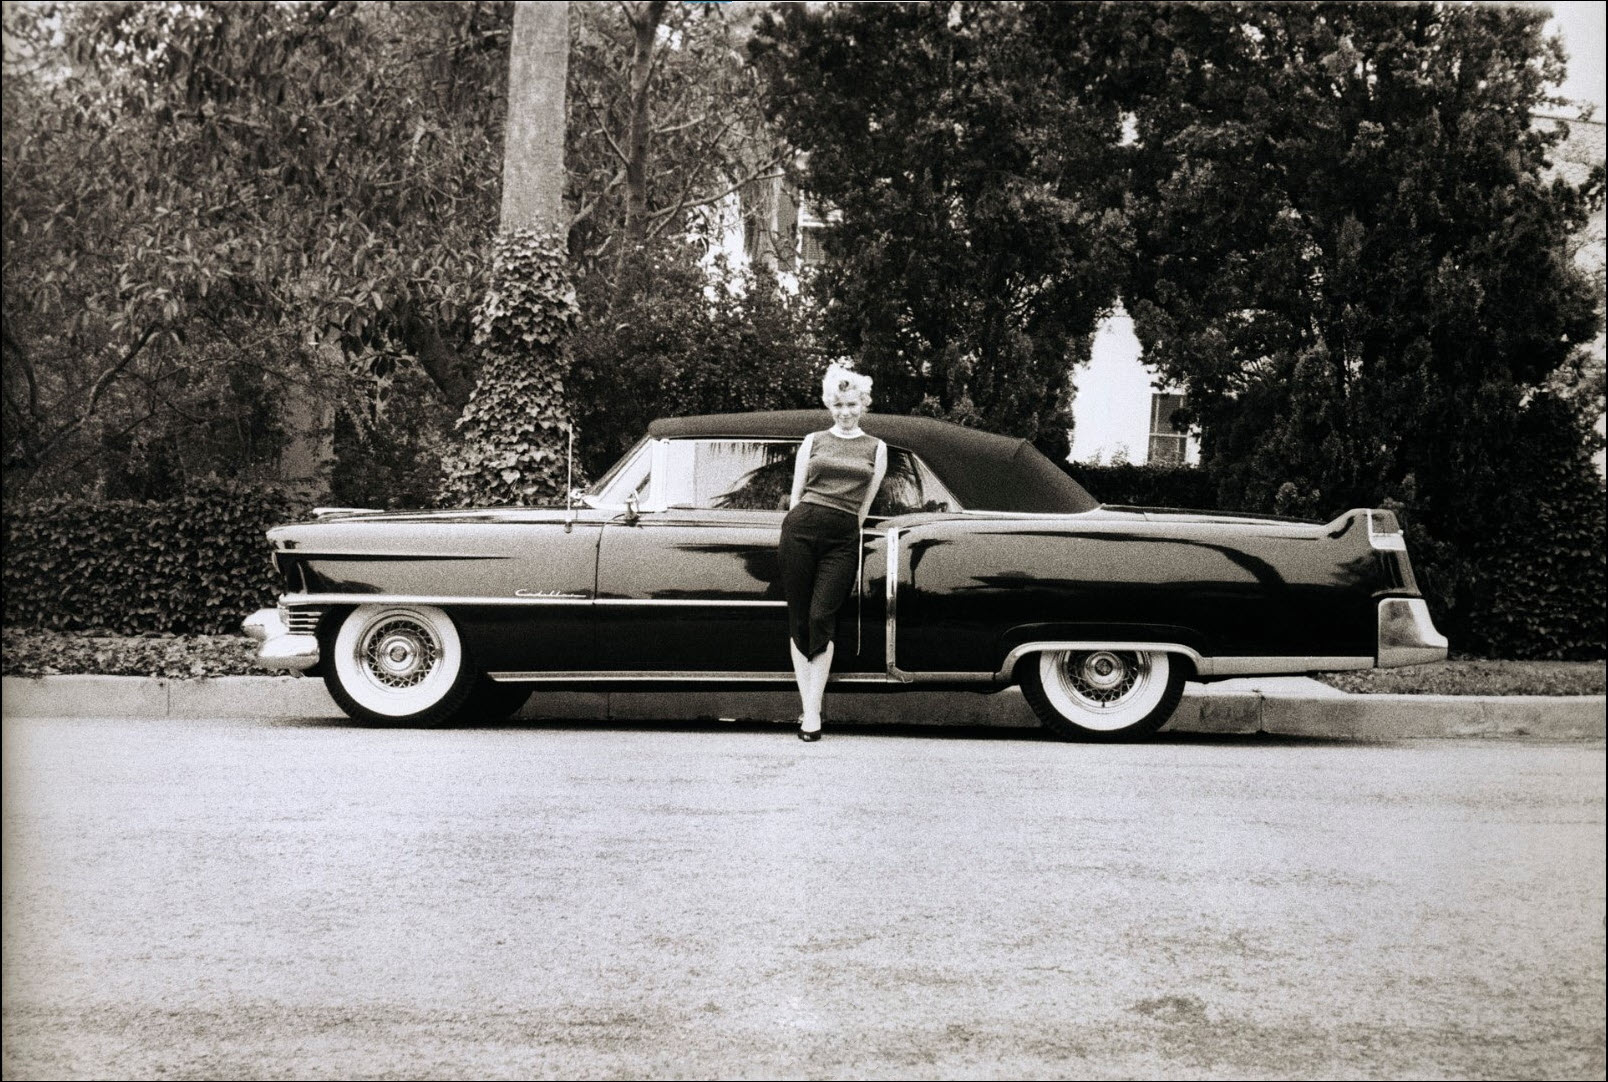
(1289,706)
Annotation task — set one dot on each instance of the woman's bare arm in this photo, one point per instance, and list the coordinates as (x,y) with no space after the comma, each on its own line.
(801,466)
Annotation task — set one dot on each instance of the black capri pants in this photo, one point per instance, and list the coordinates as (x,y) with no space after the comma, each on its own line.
(819,556)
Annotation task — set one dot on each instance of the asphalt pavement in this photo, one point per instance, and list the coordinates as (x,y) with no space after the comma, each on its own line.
(276,898)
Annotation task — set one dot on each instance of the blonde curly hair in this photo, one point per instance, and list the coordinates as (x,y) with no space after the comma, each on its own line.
(841,379)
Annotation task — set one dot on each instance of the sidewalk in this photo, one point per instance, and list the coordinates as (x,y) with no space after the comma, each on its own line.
(1283,705)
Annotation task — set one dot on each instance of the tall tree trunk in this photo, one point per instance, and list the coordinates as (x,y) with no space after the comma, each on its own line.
(533,148)
(628,270)
(515,429)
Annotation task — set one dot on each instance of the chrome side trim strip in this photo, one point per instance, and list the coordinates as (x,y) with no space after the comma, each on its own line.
(425,599)
(1204,666)
(687,601)
(1275,666)
(623,676)
(370,556)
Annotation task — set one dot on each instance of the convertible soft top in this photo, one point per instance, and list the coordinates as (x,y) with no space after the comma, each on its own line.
(984,471)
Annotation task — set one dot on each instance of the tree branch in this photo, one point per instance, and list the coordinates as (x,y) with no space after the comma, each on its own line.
(103,381)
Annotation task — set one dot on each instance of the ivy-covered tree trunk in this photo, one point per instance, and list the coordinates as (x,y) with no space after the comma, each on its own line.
(515,431)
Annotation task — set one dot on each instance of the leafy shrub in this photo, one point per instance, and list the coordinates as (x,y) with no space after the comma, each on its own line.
(687,343)
(1148,486)
(1533,587)
(196,564)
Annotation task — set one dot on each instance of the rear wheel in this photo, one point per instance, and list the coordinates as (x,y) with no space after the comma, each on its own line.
(1103,694)
(398,665)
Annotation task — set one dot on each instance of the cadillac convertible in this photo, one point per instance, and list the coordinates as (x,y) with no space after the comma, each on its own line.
(985,566)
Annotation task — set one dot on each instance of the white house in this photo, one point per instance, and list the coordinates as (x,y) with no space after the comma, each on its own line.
(1119,414)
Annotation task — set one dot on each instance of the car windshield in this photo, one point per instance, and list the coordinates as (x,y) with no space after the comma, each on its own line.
(734,474)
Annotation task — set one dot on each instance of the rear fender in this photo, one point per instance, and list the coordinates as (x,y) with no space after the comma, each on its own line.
(1181,642)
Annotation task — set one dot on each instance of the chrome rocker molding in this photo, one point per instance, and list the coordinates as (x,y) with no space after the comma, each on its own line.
(459,599)
(280,648)
(617,676)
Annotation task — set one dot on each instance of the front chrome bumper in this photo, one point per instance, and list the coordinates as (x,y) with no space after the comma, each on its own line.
(1407,635)
(281,648)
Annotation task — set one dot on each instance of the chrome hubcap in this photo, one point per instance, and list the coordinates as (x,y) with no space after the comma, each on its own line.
(400,653)
(1104,679)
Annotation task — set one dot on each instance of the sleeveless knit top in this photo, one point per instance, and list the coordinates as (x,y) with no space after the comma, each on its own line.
(839,471)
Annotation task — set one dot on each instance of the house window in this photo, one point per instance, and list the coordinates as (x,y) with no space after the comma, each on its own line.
(812,252)
(1166,437)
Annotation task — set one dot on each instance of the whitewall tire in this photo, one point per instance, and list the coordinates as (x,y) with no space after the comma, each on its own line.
(1103,694)
(398,665)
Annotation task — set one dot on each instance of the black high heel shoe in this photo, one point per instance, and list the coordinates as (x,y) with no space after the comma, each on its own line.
(808,736)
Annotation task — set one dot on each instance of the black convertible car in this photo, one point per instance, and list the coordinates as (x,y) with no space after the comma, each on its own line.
(985,565)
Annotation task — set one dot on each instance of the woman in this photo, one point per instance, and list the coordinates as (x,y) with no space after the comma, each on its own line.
(835,478)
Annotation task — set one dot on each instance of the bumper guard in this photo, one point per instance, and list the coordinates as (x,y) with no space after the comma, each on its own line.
(280,649)
(1407,635)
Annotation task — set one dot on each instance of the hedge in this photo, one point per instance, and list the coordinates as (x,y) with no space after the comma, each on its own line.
(1148,486)
(194,565)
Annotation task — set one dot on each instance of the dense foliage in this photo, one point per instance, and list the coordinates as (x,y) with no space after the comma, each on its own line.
(968,151)
(1348,252)
(1148,486)
(1535,585)
(515,430)
(666,130)
(214,209)
(685,347)
(196,564)
(209,205)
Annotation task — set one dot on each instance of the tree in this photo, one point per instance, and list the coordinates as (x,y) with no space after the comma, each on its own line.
(971,152)
(665,122)
(203,200)
(665,126)
(516,425)
(533,147)
(1348,253)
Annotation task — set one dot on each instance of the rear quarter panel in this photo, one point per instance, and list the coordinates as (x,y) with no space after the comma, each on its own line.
(971,589)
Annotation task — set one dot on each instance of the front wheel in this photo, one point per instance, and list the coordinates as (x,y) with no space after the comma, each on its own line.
(1103,694)
(398,665)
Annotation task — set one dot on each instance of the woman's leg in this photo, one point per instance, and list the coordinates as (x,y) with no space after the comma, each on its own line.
(805,677)
(796,555)
(836,562)
(812,674)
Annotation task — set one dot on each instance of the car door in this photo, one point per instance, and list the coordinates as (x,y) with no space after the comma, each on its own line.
(692,584)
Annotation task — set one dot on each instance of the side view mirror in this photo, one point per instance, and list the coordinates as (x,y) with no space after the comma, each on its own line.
(631,510)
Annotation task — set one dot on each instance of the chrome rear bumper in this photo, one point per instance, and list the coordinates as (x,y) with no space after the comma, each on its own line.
(280,649)
(1407,635)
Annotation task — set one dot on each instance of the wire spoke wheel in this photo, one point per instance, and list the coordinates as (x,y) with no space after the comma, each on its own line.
(1103,693)
(398,664)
